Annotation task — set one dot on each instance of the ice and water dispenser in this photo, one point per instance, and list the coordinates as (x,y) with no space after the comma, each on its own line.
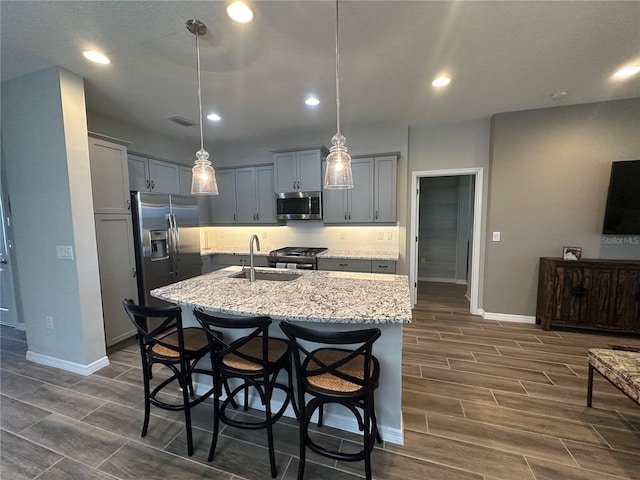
(159,246)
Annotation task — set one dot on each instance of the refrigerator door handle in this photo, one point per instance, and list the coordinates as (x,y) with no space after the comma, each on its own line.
(172,247)
(177,230)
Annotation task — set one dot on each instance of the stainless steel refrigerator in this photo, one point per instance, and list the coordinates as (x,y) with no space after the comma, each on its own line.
(167,241)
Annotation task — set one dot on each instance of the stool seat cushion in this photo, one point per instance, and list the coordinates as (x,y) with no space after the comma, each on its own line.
(194,340)
(253,349)
(330,381)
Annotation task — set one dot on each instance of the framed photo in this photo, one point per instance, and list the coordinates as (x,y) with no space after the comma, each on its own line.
(571,253)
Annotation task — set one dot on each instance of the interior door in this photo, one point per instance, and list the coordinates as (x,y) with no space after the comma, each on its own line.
(8,315)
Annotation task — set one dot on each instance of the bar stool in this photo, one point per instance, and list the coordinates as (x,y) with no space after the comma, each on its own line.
(164,341)
(348,377)
(256,359)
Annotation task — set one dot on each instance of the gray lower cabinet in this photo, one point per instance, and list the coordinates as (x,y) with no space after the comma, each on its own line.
(357,265)
(226,259)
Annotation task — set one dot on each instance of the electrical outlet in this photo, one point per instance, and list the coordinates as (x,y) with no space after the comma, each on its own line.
(64,252)
(49,320)
(389,235)
(341,235)
(380,235)
(496,236)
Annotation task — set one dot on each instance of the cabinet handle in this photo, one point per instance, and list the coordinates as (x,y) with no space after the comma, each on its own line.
(349,215)
(298,184)
(294,184)
(148,184)
(383,266)
(128,204)
(153,185)
(257,216)
(133,270)
(234,216)
(343,264)
(376,214)
(345,215)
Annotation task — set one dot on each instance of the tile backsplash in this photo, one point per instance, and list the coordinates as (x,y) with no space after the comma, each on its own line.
(301,234)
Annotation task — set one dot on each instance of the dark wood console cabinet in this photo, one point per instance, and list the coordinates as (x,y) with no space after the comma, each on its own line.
(601,295)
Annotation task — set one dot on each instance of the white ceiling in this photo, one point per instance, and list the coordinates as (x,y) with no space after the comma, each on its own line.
(502,56)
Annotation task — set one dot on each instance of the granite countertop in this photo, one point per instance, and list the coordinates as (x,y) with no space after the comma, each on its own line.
(331,253)
(359,254)
(316,296)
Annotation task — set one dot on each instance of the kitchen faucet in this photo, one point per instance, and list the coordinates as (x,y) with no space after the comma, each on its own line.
(252,270)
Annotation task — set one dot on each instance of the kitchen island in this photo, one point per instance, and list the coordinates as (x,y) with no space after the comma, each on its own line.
(322,300)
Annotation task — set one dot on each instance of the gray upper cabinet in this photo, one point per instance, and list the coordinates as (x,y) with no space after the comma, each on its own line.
(373,196)
(353,205)
(385,188)
(109,176)
(298,170)
(245,196)
(223,205)
(185,180)
(151,175)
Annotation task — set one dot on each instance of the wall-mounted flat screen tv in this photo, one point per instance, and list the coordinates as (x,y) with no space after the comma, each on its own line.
(622,216)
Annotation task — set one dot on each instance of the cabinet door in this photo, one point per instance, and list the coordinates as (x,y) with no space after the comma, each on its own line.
(345,264)
(164,177)
(139,174)
(334,204)
(246,195)
(109,177)
(309,171)
(627,303)
(223,205)
(361,195)
(185,180)
(114,238)
(385,189)
(285,172)
(264,194)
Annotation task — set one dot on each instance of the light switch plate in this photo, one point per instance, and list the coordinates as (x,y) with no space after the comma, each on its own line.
(496,236)
(64,252)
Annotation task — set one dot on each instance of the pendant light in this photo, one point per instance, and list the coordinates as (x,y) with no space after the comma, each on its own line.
(338,173)
(203,178)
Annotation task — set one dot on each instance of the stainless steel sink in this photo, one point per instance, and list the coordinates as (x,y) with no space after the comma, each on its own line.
(271,276)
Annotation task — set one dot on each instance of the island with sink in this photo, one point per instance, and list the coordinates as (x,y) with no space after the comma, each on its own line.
(322,300)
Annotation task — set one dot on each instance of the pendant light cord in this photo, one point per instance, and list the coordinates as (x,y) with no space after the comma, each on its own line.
(337,76)
(199,88)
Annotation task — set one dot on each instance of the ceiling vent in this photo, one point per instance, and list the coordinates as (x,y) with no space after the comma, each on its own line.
(180,120)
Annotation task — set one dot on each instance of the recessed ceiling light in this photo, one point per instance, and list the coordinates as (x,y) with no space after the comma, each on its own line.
(96,57)
(627,72)
(240,12)
(312,101)
(441,81)
(214,117)
(559,95)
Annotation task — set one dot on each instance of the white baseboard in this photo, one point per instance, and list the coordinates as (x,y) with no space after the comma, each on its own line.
(66,365)
(347,423)
(505,317)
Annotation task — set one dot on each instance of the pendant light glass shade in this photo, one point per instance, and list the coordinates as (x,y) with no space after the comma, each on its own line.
(203,176)
(338,174)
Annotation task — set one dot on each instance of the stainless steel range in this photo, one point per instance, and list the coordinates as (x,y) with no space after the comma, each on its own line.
(295,257)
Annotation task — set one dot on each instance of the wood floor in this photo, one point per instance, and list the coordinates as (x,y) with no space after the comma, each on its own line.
(481,400)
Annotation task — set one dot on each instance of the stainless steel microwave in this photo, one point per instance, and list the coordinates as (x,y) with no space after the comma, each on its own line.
(299,206)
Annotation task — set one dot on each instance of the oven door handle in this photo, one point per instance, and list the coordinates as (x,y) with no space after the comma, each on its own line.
(305,266)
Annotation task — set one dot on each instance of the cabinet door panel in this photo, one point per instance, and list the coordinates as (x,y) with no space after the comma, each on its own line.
(361,195)
(385,189)
(627,301)
(285,172)
(309,171)
(265,196)
(246,195)
(334,204)
(223,205)
(109,177)
(185,181)
(114,236)
(138,173)
(164,177)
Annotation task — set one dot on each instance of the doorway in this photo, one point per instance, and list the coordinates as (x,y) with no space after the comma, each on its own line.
(8,312)
(446,212)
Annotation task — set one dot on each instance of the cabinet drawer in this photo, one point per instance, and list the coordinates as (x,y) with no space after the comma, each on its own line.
(226,259)
(344,265)
(383,266)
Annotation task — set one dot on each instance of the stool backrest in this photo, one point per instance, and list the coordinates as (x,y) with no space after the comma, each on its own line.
(309,363)
(258,326)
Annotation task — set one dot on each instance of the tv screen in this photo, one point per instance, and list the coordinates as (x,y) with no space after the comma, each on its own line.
(622,215)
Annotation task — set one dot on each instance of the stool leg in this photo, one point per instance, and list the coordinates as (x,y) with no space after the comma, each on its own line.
(590,386)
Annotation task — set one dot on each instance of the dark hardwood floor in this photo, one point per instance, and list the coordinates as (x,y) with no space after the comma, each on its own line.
(481,400)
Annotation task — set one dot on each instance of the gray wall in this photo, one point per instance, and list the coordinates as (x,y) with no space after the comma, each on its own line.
(44,139)
(548,186)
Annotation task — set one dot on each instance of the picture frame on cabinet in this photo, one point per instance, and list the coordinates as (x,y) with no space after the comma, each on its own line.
(571,253)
